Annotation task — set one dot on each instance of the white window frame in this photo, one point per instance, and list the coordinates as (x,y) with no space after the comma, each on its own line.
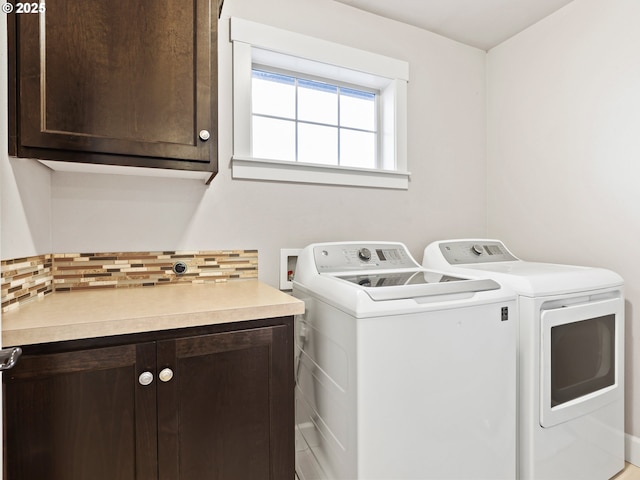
(254,43)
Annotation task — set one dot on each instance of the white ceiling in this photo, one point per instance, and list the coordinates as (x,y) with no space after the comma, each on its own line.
(480,23)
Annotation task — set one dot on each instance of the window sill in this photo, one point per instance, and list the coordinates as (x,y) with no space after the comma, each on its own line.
(253,169)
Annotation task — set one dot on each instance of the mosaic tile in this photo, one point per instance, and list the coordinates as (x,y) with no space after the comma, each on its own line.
(24,279)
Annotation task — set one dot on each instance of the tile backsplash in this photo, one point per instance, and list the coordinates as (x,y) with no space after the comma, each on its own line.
(24,279)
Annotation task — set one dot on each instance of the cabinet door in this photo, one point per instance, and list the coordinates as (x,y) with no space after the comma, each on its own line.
(227,413)
(118,82)
(81,415)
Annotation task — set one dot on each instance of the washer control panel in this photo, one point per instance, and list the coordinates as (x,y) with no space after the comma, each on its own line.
(475,251)
(345,257)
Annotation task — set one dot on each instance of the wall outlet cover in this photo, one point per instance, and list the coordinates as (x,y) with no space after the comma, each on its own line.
(288,260)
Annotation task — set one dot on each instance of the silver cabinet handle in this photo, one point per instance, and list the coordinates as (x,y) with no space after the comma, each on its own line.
(204,135)
(145,378)
(166,375)
(9,357)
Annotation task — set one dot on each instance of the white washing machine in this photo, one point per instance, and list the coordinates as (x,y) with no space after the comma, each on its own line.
(402,372)
(571,358)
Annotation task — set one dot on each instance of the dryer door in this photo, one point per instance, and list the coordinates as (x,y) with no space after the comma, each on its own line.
(581,359)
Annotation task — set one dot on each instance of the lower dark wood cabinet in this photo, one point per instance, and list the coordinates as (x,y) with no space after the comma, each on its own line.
(219,407)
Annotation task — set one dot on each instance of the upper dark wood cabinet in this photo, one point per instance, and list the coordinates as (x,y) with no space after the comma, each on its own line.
(118,82)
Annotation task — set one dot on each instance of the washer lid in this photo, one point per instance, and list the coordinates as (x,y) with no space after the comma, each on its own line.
(382,286)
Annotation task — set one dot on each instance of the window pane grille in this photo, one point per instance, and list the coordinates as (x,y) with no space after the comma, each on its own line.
(357,148)
(274,138)
(273,95)
(317,144)
(317,102)
(357,109)
(310,121)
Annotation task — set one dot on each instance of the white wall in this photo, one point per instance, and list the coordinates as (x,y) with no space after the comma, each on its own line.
(564,150)
(446,148)
(26,207)
(563,122)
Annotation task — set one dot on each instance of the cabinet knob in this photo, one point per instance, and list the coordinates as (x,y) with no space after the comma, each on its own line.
(145,378)
(204,135)
(166,375)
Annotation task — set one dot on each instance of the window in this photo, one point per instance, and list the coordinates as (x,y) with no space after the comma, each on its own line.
(306,110)
(302,120)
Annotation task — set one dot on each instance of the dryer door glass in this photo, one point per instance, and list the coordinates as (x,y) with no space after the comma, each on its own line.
(581,358)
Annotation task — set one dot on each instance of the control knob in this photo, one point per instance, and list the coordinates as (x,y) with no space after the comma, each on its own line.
(477,249)
(364,254)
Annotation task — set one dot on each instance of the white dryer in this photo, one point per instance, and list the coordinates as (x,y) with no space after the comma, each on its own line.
(570,355)
(402,372)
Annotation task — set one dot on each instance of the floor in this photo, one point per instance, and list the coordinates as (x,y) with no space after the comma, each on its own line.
(630,472)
